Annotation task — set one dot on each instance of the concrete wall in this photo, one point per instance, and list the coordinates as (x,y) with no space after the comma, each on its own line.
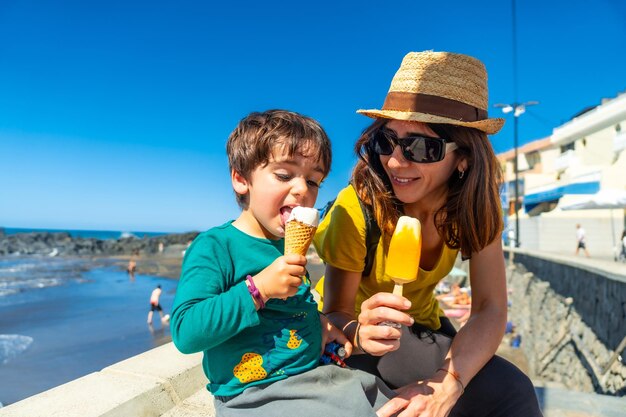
(572,321)
(160,382)
(556,232)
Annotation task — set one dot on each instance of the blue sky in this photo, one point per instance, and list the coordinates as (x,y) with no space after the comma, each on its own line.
(114,114)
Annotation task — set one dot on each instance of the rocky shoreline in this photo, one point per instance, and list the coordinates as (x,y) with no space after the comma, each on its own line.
(159,256)
(63,244)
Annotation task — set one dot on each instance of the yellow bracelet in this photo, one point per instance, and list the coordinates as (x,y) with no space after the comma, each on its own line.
(456,376)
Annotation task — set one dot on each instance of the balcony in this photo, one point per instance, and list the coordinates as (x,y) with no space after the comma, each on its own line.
(619,142)
(566,160)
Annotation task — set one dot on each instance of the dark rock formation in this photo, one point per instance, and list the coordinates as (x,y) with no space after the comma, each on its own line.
(63,244)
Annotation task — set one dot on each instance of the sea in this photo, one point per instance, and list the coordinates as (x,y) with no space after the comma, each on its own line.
(62,318)
(96,234)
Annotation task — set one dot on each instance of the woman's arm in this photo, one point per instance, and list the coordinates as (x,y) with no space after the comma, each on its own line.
(479,339)
(340,287)
(472,347)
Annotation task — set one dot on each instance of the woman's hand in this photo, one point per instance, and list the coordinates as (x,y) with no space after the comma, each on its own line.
(432,398)
(332,334)
(377,339)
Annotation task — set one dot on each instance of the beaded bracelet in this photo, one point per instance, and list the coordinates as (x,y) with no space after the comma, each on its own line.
(254,292)
(456,376)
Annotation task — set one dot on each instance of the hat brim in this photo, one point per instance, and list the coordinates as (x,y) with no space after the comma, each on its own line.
(489,126)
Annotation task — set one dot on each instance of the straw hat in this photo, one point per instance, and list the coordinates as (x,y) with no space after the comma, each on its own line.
(439,87)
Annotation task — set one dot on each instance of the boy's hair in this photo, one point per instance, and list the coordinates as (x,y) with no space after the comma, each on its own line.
(258,135)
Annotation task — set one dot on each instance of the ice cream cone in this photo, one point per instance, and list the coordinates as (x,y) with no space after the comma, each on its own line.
(298,237)
(300,228)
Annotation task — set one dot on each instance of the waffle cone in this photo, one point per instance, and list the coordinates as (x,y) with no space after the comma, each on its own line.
(298,237)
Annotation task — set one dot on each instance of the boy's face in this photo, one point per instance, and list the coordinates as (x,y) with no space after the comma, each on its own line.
(276,188)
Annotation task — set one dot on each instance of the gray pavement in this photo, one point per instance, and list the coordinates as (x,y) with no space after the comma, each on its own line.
(559,402)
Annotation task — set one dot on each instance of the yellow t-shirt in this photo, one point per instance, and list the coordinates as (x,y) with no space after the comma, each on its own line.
(340,242)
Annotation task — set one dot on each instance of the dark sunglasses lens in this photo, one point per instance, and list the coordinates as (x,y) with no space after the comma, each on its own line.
(424,150)
(382,143)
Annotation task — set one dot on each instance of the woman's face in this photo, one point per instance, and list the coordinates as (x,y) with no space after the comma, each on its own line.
(416,182)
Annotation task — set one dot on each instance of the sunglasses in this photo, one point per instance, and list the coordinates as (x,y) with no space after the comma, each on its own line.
(415,148)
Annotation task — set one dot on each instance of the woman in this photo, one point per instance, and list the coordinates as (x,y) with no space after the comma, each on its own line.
(427,156)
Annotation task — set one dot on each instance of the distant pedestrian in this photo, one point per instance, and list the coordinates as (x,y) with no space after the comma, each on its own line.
(581,240)
(622,255)
(132,264)
(155,305)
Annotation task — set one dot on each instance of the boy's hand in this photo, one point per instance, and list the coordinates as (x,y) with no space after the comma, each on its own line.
(281,278)
(332,334)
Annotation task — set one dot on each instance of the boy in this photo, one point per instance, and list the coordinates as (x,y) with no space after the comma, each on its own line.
(155,305)
(243,303)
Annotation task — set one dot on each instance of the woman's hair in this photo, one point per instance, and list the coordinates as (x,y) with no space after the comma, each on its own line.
(260,134)
(471,216)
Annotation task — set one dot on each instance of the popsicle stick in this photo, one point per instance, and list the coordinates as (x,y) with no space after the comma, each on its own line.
(397,289)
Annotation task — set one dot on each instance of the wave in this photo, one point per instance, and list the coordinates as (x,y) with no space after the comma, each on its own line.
(15,286)
(14,267)
(12,345)
(19,275)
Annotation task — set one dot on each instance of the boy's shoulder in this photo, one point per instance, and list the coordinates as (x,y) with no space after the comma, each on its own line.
(215,233)
(219,229)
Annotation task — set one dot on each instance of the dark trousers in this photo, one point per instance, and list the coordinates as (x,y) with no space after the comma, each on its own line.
(499,389)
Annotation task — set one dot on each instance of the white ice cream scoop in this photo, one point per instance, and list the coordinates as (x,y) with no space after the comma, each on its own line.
(306,215)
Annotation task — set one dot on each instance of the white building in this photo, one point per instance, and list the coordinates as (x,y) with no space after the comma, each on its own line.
(582,160)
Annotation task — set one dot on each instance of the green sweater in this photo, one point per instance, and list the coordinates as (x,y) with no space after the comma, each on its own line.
(214,313)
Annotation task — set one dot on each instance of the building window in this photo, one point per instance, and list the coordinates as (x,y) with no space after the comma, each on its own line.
(533,158)
(568,147)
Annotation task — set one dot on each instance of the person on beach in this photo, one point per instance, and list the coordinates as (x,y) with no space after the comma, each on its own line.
(244,304)
(581,240)
(426,155)
(155,305)
(132,264)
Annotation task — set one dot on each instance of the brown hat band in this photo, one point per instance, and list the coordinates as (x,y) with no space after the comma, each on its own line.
(439,106)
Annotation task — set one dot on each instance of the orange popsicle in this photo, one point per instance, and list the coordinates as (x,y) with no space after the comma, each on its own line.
(405,248)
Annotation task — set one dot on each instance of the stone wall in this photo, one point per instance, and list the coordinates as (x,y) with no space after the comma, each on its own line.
(572,322)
